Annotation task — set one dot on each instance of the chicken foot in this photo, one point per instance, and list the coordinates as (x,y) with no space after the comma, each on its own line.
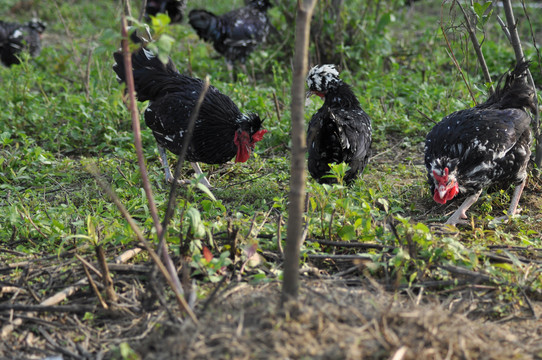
(169,176)
(513,208)
(459,216)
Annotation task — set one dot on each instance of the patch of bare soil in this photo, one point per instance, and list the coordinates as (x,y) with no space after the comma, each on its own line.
(333,321)
(341,316)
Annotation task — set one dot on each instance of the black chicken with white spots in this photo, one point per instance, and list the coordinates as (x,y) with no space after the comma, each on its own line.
(16,38)
(484,146)
(221,131)
(236,34)
(340,131)
(173,8)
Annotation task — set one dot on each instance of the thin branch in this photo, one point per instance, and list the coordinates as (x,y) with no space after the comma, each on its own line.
(91,282)
(135,126)
(477,47)
(139,234)
(520,57)
(456,63)
(106,276)
(140,158)
(290,289)
(176,173)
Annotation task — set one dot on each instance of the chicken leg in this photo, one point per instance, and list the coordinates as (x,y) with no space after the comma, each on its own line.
(169,176)
(512,210)
(459,216)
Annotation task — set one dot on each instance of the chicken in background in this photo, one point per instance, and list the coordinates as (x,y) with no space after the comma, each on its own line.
(236,34)
(340,131)
(488,145)
(16,38)
(173,8)
(221,131)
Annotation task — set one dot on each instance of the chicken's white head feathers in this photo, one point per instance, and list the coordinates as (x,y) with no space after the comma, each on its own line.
(321,78)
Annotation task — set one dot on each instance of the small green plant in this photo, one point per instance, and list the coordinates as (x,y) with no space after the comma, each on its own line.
(211,267)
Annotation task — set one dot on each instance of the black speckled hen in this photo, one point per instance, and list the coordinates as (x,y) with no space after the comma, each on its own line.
(235,34)
(16,38)
(488,145)
(221,131)
(340,131)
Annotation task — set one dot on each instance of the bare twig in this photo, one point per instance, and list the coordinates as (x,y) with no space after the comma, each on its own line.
(347,244)
(182,155)
(63,295)
(127,255)
(338,257)
(140,158)
(92,283)
(49,308)
(477,47)
(57,347)
(106,275)
(277,107)
(279,236)
(520,57)
(141,238)
(456,63)
(290,289)
(135,126)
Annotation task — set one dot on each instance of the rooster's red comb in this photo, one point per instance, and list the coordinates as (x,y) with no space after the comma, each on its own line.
(441,179)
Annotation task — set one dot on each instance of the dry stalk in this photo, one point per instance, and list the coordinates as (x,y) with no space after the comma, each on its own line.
(135,126)
(88,265)
(477,47)
(520,57)
(290,290)
(277,107)
(91,282)
(140,158)
(63,295)
(106,275)
(456,63)
(141,238)
(279,236)
(181,157)
(127,255)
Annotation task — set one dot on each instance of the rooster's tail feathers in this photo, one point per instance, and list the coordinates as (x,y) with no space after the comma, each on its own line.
(151,76)
(516,91)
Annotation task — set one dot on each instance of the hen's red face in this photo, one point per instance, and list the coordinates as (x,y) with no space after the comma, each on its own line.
(447,188)
(245,144)
(317,93)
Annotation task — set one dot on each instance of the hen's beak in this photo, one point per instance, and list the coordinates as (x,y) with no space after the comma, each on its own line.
(308,100)
(442,191)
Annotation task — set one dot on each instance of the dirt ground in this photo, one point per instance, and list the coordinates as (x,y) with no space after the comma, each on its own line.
(337,317)
(334,321)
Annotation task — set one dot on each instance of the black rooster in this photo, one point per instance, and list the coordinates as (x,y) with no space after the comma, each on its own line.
(15,38)
(221,131)
(235,34)
(487,145)
(340,131)
(173,8)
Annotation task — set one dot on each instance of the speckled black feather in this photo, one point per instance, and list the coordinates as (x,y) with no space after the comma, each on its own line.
(16,38)
(172,98)
(235,34)
(488,144)
(340,131)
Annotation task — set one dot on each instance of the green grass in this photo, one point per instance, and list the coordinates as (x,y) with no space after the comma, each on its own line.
(55,119)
